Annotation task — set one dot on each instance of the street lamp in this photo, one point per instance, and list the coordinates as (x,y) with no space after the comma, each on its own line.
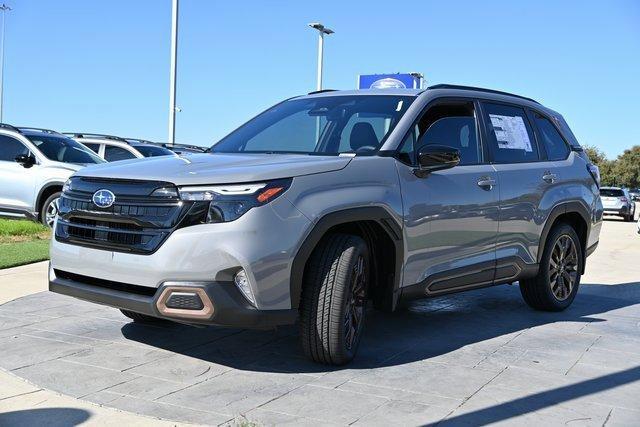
(4,8)
(322,30)
(173,73)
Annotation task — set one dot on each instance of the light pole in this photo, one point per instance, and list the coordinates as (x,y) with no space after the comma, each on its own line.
(322,30)
(4,8)
(173,73)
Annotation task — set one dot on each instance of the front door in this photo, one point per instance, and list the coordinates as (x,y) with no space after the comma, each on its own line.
(450,216)
(16,182)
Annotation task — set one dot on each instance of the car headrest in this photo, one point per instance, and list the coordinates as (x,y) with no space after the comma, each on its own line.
(362,135)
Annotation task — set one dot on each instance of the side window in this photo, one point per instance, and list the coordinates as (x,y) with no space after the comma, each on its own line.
(113,154)
(554,143)
(93,147)
(453,125)
(510,135)
(10,148)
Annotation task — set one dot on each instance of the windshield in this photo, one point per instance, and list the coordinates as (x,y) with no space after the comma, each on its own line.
(63,149)
(609,192)
(326,125)
(153,151)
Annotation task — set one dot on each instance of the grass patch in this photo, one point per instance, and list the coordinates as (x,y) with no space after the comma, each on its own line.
(22,242)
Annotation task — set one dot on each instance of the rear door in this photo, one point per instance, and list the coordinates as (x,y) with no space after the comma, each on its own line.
(523,179)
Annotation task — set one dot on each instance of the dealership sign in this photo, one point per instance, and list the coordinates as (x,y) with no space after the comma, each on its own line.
(390,81)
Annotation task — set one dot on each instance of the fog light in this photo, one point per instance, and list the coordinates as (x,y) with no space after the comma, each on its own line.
(242,282)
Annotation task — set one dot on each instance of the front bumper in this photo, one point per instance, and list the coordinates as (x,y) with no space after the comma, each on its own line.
(223,305)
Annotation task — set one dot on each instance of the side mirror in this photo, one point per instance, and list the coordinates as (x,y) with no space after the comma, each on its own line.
(26,160)
(433,158)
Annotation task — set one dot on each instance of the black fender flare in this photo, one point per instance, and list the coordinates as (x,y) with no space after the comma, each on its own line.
(557,211)
(370,213)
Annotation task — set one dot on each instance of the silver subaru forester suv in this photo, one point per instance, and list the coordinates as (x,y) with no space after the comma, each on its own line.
(325,202)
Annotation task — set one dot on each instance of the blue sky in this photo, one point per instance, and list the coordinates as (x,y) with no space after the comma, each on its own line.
(103,66)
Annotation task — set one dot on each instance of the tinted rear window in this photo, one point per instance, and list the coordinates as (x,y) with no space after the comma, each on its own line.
(607,192)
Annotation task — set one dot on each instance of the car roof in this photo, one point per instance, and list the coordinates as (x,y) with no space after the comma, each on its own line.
(442,90)
(611,188)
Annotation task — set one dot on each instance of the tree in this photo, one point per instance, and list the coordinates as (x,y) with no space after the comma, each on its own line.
(627,167)
(608,175)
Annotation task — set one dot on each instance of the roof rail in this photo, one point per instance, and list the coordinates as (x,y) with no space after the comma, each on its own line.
(9,127)
(138,140)
(321,91)
(37,129)
(94,135)
(479,89)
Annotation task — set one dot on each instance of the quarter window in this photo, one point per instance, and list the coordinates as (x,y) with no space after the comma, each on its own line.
(555,145)
(10,148)
(510,135)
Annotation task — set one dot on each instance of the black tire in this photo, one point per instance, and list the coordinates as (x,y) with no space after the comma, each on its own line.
(541,292)
(628,218)
(333,298)
(141,318)
(45,206)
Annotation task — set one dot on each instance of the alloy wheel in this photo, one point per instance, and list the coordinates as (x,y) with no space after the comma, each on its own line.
(356,299)
(563,267)
(51,212)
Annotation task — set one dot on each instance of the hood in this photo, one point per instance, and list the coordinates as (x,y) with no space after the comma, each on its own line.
(71,167)
(219,168)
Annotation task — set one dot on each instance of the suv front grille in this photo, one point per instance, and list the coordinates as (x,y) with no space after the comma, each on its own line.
(136,222)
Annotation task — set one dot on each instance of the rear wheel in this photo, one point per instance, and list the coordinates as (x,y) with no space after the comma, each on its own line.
(334,299)
(140,318)
(557,282)
(49,209)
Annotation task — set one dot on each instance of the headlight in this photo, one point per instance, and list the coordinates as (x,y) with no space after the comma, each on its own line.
(224,203)
(67,186)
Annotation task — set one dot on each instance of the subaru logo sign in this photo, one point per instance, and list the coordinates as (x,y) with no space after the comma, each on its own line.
(388,83)
(103,198)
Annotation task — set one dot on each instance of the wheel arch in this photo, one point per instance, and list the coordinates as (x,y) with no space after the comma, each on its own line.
(370,221)
(46,190)
(576,215)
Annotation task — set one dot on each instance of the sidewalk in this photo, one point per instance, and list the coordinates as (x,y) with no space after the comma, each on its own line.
(22,403)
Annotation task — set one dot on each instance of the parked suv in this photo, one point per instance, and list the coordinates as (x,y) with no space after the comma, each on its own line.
(113,148)
(34,164)
(327,201)
(617,201)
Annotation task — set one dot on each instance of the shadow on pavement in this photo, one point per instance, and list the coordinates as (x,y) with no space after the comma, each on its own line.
(50,417)
(537,401)
(424,330)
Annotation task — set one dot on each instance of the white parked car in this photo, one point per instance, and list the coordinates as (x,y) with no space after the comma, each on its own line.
(617,201)
(114,148)
(34,164)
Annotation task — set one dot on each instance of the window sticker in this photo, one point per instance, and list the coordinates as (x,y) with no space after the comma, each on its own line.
(511,132)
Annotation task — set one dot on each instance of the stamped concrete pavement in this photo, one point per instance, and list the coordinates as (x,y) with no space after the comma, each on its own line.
(469,359)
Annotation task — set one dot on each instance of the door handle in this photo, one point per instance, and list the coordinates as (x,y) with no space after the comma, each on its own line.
(486,182)
(549,177)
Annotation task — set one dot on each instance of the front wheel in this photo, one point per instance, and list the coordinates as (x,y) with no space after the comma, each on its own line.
(49,209)
(557,282)
(334,299)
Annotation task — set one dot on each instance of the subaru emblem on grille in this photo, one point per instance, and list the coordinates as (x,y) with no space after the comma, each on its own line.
(103,198)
